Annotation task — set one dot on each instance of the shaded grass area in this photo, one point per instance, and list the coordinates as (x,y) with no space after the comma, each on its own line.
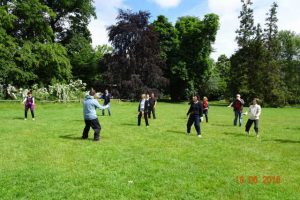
(46,159)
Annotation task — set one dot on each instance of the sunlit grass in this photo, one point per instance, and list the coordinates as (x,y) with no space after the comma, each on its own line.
(46,159)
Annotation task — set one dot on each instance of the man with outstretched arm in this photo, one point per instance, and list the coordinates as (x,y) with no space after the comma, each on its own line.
(90,105)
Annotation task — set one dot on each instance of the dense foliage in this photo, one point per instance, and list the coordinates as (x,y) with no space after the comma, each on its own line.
(47,42)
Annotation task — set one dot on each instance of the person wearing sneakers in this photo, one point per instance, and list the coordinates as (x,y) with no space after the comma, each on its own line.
(143,110)
(90,105)
(237,105)
(254,113)
(195,113)
(205,108)
(29,104)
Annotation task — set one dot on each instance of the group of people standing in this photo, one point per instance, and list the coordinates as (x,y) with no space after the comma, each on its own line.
(146,106)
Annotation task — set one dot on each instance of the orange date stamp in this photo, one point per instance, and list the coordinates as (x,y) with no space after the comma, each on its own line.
(256,179)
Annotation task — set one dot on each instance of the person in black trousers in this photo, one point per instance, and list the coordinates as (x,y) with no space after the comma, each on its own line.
(90,105)
(152,102)
(195,115)
(143,110)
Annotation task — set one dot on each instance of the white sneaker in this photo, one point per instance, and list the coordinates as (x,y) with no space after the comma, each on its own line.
(257,135)
(33,119)
(199,136)
(25,119)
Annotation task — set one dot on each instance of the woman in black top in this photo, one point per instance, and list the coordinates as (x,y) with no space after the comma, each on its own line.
(195,116)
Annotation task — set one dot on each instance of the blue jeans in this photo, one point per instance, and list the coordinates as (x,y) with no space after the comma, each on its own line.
(108,109)
(238,114)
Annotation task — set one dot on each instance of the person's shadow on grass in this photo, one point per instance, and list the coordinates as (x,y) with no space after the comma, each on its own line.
(286,141)
(179,132)
(128,124)
(70,137)
(18,118)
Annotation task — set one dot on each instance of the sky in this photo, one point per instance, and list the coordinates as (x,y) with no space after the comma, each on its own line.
(228,11)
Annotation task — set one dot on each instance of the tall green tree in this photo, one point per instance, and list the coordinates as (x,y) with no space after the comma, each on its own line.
(246,30)
(222,72)
(71,18)
(169,46)
(273,83)
(241,60)
(195,45)
(290,63)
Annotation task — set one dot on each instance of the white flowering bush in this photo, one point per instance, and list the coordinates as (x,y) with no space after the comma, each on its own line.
(61,92)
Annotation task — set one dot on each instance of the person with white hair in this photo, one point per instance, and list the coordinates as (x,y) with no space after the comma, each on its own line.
(143,110)
(237,105)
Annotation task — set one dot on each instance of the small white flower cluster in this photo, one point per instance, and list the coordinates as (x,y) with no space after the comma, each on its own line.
(8,91)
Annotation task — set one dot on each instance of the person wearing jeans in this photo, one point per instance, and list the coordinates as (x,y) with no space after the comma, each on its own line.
(90,117)
(195,113)
(237,105)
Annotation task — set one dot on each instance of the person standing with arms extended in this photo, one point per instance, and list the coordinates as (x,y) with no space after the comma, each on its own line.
(254,112)
(90,105)
(237,105)
(195,113)
(106,96)
(143,110)
(29,104)
(205,108)
(152,102)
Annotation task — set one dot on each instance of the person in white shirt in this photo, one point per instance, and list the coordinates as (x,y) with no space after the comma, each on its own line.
(254,113)
(143,110)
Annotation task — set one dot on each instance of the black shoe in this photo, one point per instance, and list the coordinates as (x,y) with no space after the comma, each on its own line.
(84,138)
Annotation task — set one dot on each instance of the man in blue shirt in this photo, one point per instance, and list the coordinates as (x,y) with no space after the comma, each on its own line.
(90,116)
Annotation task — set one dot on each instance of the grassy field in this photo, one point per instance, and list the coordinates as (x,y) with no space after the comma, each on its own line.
(46,159)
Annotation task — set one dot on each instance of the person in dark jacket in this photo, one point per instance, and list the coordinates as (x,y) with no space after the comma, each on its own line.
(152,102)
(195,114)
(106,96)
(237,105)
(143,110)
(90,117)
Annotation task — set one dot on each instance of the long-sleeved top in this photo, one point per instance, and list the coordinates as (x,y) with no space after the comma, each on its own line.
(89,108)
(205,105)
(196,108)
(254,112)
(106,98)
(144,106)
(238,104)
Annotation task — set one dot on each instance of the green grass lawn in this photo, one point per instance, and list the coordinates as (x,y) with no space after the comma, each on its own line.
(46,159)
